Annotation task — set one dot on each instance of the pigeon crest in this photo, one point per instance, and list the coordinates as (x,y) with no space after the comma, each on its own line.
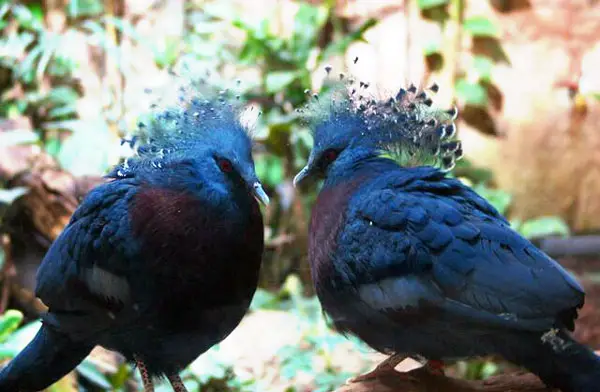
(199,113)
(404,126)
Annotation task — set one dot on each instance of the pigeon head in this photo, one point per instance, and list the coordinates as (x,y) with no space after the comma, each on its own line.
(200,144)
(347,127)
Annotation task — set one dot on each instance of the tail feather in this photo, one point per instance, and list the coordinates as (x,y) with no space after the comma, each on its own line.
(45,360)
(559,361)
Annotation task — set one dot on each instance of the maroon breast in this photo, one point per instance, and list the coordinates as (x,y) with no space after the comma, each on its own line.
(179,231)
(203,262)
(328,215)
(172,225)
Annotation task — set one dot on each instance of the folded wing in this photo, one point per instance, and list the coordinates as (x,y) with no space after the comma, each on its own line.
(433,242)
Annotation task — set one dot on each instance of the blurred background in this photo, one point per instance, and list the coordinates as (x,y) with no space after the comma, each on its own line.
(75,76)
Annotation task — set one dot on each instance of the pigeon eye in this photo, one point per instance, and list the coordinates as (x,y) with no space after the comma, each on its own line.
(330,155)
(225,165)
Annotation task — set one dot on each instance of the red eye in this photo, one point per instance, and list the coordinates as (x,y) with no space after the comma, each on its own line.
(225,165)
(330,155)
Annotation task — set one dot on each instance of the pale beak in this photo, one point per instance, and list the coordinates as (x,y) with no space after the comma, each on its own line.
(302,174)
(259,193)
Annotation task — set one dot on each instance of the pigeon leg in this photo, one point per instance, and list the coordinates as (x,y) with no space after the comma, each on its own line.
(146,379)
(384,368)
(176,383)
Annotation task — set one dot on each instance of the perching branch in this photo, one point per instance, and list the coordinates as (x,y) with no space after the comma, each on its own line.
(421,380)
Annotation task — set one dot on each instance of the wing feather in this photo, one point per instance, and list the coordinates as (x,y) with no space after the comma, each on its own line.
(84,277)
(456,252)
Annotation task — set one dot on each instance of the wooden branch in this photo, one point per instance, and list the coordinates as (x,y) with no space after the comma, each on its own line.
(35,219)
(421,380)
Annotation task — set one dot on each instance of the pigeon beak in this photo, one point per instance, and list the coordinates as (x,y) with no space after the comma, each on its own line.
(259,193)
(302,174)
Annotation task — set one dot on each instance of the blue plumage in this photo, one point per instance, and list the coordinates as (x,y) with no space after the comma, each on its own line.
(160,263)
(416,263)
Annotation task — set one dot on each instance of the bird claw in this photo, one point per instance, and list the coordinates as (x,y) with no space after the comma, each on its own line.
(386,368)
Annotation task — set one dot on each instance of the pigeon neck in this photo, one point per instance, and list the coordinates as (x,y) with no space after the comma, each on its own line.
(365,166)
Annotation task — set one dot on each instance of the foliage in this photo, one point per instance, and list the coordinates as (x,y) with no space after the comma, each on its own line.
(544,226)
(477,369)
(498,198)
(480,26)
(473,83)
(428,4)
(471,93)
(318,340)
(42,64)
(287,67)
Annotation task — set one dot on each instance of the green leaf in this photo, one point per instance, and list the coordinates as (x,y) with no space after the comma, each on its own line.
(36,12)
(52,146)
(79,8)
(29,17)
(489,369)
(263,299)
(127,29)
(341,45)
(62,111)
(49,45)
(270,169)
(63,95)
(432,46)
(9,322)
(484,67)
(14,47)
(87,150)
(277,81)
(73,8)
(247,28)
(480,26)
(309,19)
(17,340)
(26,67)
(426,4)
(496,197)
(293,287)
(258,43)
(471,93)
(464,168)
(474,369)
(170,52)
(4,8)
(543,227)
(307,24)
